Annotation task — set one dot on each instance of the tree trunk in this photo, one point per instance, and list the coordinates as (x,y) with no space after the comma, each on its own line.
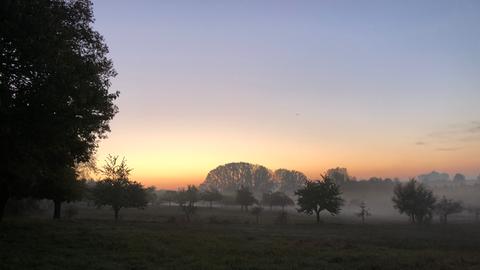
(3,204)
(445,219)
(57,209)
(257,219)
(116,210)
(318,217)
(3,199)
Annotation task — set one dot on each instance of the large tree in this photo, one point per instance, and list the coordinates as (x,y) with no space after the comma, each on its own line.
(414,200)
(230,177)
(318,196)
(289,181)
(54,98)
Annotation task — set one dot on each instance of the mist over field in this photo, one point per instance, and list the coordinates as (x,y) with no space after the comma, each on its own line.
(220,134)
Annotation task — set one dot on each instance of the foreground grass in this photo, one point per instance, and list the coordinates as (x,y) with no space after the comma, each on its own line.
(94,244)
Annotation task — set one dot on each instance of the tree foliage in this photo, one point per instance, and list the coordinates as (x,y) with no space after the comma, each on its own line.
(414,200)
(54,98)
(289,181)
(277,199)
(210,196)
(446,207)
(116,190)
(318,196)
(245,198)
(338,175)
(186,199)
(230,177)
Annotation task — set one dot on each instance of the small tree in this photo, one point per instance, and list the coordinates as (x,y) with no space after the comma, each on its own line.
(211,195)
(447,207)
(318,196)
(364,212)
(267,199)
(474,210)
(186,199)
(117,190)
(169,196)
(280,199)
(256,211)
(414,200)
(245,198)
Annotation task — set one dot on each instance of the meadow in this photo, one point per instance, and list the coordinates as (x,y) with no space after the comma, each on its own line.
(226,238)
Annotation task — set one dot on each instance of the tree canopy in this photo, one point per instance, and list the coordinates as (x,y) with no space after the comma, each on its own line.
(116,190)
(54,98)
(414,200)
(245,197)
(318,196)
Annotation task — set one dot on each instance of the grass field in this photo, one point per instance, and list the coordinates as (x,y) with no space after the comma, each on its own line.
(151,239)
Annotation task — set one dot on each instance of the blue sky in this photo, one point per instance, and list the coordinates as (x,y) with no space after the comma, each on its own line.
(367,85)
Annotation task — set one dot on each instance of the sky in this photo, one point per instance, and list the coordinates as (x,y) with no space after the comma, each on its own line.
(383,88)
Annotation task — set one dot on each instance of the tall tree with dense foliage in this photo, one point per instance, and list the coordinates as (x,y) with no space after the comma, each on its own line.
(116,190)
(414,200)
(230,177)
(318,196)
(54,98)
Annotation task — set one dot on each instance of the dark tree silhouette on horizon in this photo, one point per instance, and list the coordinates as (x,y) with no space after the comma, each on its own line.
(318,196)
(54,98)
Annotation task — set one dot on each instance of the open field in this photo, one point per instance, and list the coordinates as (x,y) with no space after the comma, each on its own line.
(229,239)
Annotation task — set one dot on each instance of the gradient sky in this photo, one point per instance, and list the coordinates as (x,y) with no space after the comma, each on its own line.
(384,88)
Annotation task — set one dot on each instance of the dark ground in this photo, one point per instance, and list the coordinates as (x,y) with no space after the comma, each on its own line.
(87,242)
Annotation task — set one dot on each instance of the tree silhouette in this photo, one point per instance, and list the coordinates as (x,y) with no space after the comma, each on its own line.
(186,199)
(256,211)
(211,196)
(54,99)
(364,212)
(318,196)
(415,200)
(245,198)
(116,189)
(230,177)
(60,186)
(169,196)
(280,199)
(446,207)
(289,181)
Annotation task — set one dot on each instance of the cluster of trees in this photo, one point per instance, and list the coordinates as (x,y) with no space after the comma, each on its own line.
(54,98)
(419,203)
(230,177)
